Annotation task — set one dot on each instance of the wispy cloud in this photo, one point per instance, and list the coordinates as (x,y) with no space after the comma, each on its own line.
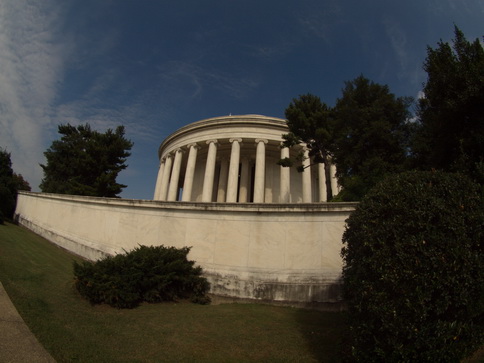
(191,80)
(409,65)
(320,21)
(36,52)
(31,67)
(273,49)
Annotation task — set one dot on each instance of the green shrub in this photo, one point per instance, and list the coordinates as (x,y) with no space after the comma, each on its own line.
(150,274)
(413,273)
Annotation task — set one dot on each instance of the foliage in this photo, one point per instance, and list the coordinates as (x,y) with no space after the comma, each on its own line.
(150,274)
(10,183)
(372,136)
(366,134)
(21,183)
(7,188)
(451,114)
(414,269)
(86,162)
(310,122)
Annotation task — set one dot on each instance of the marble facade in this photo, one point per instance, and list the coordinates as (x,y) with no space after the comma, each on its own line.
(233,159)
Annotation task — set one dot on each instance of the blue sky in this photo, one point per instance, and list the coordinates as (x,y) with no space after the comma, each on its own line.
(154,66)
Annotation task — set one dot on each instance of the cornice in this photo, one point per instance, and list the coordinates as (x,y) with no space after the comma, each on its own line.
(226,121)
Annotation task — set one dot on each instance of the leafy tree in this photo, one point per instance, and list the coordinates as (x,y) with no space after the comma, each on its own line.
(451,114)
(10,184)
(371,136)
(86,162)
(310,121)
(7,186)
(366,134)
(21,183)
(414,269)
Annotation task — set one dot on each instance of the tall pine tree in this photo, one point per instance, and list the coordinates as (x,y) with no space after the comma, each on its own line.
(451,114)
(86,162)
(371,137)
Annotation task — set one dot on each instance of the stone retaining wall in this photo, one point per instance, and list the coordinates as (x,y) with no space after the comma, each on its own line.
(270,252)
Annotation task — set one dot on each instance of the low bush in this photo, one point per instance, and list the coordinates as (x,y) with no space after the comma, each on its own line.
(151,274)
(414,270)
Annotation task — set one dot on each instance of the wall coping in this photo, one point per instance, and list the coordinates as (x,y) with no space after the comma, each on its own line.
(321,207)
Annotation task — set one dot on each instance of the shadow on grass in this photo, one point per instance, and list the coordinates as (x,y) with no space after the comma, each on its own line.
(323,333)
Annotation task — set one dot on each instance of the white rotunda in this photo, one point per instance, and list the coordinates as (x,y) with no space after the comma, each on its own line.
(233,159)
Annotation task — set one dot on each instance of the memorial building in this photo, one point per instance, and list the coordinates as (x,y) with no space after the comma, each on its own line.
(259,231)
(233,159)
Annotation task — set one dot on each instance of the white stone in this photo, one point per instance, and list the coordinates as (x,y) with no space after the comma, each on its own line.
(273,184)
(281,252)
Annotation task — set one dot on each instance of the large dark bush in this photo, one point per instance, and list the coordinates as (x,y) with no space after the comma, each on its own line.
(414,271)
(150,274)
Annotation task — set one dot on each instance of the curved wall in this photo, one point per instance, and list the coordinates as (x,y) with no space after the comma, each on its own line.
(273,252)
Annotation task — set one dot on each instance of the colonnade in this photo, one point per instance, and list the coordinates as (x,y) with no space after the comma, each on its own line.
(235,177)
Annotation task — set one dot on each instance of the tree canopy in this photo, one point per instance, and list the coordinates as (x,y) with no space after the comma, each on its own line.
(372,136)
(310,121)
(86,162)
(451,113)
(366,134)
(10,184)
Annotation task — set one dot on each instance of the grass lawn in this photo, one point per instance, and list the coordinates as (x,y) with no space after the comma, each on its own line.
(38,277)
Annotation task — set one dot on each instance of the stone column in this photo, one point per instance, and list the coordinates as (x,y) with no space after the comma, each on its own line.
(323,194)
(233,176)
(269,183)
(190,172)
(222,180)
(285,181)
(244,180)
(175,176)
(306,178)
(260,166)
(166,177)
(334,180)
(209,171)
(158,180)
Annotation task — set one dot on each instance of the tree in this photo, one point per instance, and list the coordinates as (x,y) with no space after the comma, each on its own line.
(7,186)
(414,269)
(21,183)
(86,162)
(310,122)
(371,137)
(10,184)
(451,113)
(366,134)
